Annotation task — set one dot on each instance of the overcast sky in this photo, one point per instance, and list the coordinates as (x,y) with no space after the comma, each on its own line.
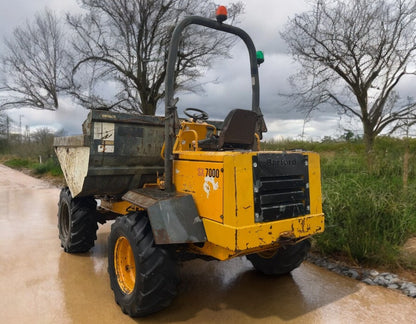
(263,19)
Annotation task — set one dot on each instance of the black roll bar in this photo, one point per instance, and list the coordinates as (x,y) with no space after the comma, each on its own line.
(170,102)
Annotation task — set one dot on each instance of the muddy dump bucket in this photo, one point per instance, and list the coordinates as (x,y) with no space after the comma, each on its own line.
(117,152)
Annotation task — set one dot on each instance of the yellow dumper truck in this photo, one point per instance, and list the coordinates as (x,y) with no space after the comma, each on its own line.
(181,189)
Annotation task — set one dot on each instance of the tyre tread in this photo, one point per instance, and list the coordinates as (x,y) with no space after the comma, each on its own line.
(83,224)
(157,277)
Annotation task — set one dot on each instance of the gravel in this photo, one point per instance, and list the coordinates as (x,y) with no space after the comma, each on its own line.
(368,276)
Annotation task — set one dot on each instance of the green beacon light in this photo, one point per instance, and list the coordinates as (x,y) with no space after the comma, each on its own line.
(260,57)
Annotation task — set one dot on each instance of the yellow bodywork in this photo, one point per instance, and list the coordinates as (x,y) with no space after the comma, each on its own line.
(221,183)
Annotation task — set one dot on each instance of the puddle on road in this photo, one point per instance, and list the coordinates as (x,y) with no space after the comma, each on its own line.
(56,287)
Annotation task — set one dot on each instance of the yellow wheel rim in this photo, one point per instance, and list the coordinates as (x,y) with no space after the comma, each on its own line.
(124,265)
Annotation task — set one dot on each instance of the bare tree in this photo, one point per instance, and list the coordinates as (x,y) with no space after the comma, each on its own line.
(124,44)
(42,142)
(4,134)
(353,54)
(4,125)
(35,64)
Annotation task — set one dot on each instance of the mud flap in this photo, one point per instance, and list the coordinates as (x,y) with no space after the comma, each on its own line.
(173,217)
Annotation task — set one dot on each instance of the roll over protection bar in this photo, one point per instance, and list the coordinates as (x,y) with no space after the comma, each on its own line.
(170,102)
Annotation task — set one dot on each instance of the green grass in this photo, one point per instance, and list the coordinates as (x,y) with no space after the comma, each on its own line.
(17,163)
(51,166)
(367,218)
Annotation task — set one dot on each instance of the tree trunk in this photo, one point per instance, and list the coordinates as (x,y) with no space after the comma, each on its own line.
(148,107)
(406,166)
(369,137)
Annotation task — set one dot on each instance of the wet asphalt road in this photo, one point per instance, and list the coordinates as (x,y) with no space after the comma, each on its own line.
(39,283)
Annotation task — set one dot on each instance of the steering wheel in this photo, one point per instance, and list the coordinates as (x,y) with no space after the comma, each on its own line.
(197,114)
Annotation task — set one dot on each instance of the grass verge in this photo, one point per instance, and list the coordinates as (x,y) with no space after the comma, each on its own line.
(50,167)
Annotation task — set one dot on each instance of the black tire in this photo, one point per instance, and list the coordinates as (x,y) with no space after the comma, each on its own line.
(145,278)
(281,261)
(77,222)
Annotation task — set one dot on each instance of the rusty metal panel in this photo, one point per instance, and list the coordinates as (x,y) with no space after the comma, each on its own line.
(139,198)
(173,216)
(176,220)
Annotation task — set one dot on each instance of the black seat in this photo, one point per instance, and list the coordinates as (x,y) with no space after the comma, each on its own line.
(237,132)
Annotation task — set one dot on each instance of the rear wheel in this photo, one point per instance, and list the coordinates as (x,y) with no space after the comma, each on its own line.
(282,260)
(143,276)
(77,222)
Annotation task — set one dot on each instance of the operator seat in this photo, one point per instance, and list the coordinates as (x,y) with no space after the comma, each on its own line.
(237,132)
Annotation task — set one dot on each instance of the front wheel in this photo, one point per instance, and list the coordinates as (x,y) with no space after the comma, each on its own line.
(143,276)
(77,222)
(282,260)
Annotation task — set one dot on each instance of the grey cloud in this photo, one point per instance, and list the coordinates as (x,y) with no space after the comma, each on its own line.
(263,19)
